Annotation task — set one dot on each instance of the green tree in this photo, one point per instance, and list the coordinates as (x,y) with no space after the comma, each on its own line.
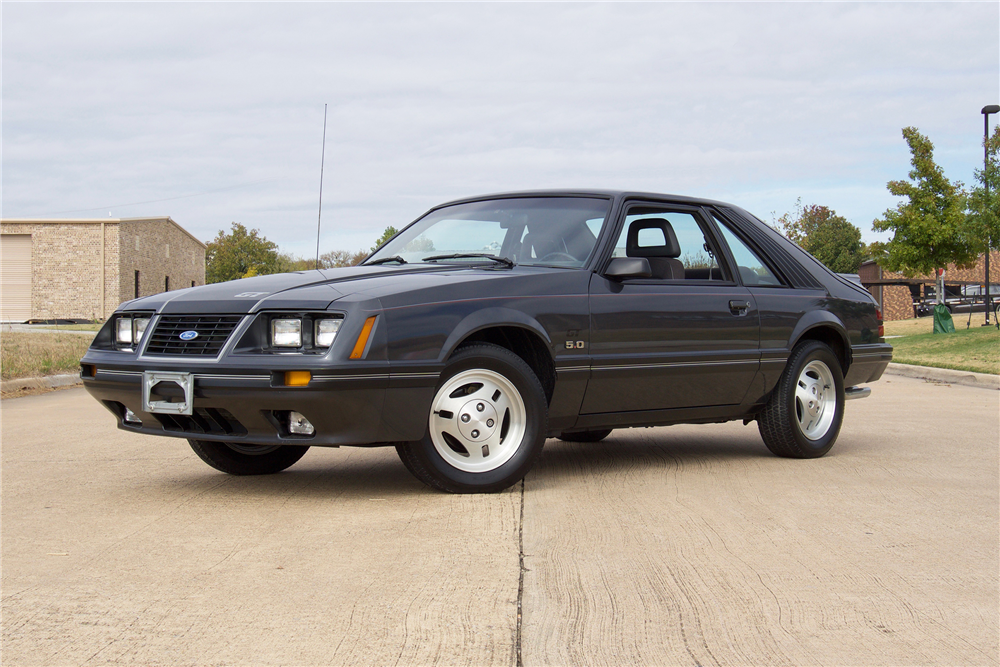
(930,229)
(328,260)
(287,262)
(420,244)
(240,254)
(838,245)
(984,200)
(828,237)
(338,258)
(386,235)
(790,223)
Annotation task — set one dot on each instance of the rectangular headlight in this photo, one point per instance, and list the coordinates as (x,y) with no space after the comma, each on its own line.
(286,333)
(326,331)
(139,324)
(123,330)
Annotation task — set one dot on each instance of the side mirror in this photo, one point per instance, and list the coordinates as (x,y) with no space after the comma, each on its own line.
(621,268)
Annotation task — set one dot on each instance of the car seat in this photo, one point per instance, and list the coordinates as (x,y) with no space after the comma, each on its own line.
(663,261)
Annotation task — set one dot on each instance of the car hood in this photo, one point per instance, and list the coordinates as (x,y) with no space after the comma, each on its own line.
(308,290)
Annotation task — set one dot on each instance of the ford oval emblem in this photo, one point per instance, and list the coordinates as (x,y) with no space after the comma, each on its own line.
(189,335)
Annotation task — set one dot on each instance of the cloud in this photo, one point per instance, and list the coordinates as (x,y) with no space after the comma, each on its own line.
(753,103)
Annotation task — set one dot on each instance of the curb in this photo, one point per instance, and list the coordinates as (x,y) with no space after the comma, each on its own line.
(46,382)
(967,378)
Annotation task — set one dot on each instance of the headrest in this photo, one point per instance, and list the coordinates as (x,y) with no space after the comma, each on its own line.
(670,248)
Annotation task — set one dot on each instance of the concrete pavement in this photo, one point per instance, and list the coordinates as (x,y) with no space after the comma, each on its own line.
(679,545)
(693,545)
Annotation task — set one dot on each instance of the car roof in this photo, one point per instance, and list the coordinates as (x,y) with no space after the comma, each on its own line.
(611,194)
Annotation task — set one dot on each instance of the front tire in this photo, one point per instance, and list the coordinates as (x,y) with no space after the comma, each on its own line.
(802,419)
(486,424)
(239,459)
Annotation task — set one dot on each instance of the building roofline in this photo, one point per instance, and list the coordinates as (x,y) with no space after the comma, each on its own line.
(63,221)
(94,221)
(167,218)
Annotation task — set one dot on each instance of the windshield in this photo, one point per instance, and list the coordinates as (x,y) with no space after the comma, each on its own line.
(550,231)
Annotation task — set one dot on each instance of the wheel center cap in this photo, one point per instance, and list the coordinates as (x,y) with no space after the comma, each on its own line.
(477,420)
(816,404)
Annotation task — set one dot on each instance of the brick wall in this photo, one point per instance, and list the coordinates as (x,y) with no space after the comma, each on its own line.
(111,277)
(897,302)
(66,268)
(974,275)
(869,272)
(157,248)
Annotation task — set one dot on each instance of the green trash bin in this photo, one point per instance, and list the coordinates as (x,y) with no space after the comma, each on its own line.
(942,320)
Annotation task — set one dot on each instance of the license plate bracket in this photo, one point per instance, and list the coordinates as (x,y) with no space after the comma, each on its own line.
(150,379)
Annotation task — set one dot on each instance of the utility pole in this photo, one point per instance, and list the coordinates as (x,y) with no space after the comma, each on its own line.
(322,162)
(987,110)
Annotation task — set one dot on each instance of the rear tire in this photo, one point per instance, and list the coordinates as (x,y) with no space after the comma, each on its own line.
(486,424)
(239,459)
(803,416)
(586,436)
(401,453)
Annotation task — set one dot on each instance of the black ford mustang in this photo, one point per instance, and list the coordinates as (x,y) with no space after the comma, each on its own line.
(492,323)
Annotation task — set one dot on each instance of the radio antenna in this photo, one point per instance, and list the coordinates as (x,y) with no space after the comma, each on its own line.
(322,161)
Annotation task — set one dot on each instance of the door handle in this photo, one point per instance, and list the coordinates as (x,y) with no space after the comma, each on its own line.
(739,307)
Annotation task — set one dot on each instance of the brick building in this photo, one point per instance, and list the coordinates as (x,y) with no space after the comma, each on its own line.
(82,269)
(896,293)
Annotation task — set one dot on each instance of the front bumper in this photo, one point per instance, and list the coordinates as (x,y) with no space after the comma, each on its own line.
(360,408)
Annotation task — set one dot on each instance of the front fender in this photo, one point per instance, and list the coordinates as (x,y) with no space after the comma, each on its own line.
(491,317)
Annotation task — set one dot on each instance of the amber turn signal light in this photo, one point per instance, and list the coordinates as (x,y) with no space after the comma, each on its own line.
(297,378)
(366,331)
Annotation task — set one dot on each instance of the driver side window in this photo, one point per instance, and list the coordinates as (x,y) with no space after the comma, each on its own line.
(672,242)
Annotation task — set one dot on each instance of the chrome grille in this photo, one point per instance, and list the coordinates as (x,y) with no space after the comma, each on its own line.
(213,332)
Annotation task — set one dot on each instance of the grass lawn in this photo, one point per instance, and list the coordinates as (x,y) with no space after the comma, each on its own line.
(974,349)
(918,325)
(24,355)
(94,326)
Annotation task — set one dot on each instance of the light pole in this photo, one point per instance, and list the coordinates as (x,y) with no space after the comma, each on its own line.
(987,110)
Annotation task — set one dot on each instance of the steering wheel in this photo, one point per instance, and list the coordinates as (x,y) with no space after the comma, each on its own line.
(556,256)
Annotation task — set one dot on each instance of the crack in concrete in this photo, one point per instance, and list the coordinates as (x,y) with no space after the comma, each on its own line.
(520,578)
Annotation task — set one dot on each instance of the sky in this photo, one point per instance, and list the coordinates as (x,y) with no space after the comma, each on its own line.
(213,113)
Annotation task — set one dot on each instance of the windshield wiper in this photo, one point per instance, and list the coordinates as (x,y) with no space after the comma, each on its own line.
(509,263)
(394,258)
